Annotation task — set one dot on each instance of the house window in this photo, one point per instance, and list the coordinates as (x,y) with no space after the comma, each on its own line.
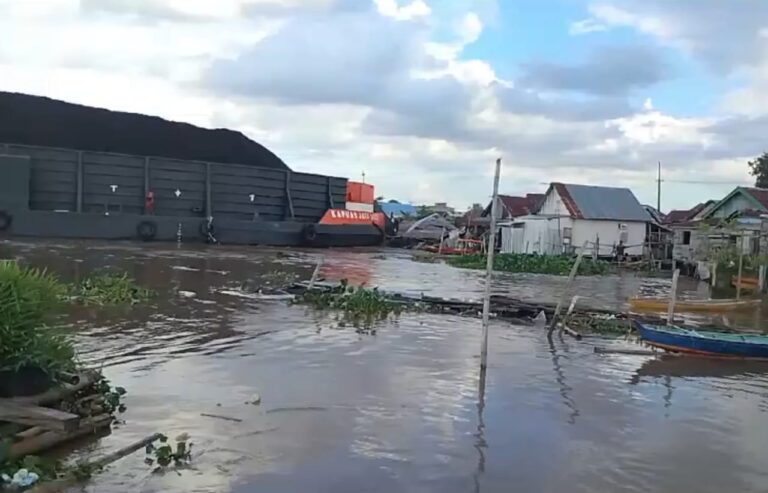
(567,232)
(686,237)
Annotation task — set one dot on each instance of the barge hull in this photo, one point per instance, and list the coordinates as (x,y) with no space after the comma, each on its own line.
(64,193)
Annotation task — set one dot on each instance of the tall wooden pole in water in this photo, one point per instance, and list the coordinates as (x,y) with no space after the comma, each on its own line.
(741,267)
(489,268)
(673,298)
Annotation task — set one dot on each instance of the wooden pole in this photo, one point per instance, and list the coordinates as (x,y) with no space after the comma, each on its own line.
(442,240)
(489,268)
(571,277)
(713,274)
(315,274)
(673,298)
(741,268)
(564,325)
(68,481)
(761,279)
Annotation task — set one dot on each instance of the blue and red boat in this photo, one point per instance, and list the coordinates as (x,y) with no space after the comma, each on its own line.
(704,342)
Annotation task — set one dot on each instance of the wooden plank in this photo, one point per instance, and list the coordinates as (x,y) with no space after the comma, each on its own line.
(32,415)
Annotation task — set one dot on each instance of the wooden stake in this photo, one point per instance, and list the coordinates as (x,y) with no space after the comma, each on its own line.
(489,268)
(564,325)
(761,279)
(633,352)
(442,240)
(315,274)
(713,274)
(567,291)
(66,482)
(741,268)
(673,298)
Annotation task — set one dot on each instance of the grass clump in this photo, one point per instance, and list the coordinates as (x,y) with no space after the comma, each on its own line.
(558,265)
(29,299)
(109,289)
(360,307)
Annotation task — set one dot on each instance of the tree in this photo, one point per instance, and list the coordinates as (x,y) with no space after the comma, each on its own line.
(759,169)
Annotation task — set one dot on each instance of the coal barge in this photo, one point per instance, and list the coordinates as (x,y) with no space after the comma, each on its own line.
(63,193)
(74,171)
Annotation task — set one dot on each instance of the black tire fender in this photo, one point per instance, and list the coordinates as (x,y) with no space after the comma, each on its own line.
(147,230)
(310,233)
(6,219)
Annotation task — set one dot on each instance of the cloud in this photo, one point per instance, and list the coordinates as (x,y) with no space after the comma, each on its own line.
(520,101)
(164,10)
(387,68)
(586,26)
(611,71)
(723,35)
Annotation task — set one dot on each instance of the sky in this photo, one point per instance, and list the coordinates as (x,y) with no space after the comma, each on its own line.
(422,96)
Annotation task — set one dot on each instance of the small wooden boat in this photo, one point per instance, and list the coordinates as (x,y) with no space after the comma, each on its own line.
(661,304)
(747,283)
(703,342)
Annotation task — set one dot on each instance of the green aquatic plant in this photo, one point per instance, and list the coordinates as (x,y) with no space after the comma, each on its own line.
(109,289)
(360,307)
(166,455)
(558,265)
(29,299)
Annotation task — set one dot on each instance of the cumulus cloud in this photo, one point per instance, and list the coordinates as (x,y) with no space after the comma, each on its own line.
(610,70)
(724,35)
(388,86)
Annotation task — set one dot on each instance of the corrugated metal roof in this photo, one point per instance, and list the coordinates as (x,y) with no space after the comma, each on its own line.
(618,204)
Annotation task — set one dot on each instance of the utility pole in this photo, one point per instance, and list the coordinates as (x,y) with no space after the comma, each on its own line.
(658,192)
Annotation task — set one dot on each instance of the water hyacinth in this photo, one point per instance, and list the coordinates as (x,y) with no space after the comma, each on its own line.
(558,265)
(109,289)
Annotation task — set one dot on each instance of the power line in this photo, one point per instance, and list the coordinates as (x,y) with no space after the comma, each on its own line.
(707,182)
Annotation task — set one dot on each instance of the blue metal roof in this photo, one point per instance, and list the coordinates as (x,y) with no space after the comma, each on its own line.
(397,209)
(618,204)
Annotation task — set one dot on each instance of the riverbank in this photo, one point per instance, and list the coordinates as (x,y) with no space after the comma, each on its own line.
(398,410)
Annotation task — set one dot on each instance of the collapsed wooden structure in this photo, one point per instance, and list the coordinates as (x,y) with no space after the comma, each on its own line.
(37,423)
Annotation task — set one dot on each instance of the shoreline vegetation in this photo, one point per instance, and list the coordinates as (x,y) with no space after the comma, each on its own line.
(557,265)
(39,365)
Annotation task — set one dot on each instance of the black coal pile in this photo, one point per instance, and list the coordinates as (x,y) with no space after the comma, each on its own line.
(40,121)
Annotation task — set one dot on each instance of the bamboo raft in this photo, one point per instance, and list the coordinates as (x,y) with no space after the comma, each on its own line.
(38,423)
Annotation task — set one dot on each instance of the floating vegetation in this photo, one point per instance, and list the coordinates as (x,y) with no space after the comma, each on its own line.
(109,289)
(558,265)
(166,455)
(602,324)
(29,299)
(360,307)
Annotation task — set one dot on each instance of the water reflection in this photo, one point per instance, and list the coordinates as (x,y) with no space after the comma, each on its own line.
(402,410)
(561,380)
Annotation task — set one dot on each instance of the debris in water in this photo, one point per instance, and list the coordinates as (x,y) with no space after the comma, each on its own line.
(187,294)
(218,416)
(255,400)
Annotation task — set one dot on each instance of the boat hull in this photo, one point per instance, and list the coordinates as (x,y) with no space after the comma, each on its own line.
(44,224)
(711,306)
(706,343)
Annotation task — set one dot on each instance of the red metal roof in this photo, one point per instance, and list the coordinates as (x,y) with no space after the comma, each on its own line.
(759,194)
(519,206)
(570,204)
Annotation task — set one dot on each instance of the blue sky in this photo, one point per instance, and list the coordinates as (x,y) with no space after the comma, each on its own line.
(424,95)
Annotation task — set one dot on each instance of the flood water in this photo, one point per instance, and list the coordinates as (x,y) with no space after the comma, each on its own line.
(399,410)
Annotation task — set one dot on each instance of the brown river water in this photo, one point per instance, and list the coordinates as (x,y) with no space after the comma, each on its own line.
(399,410)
